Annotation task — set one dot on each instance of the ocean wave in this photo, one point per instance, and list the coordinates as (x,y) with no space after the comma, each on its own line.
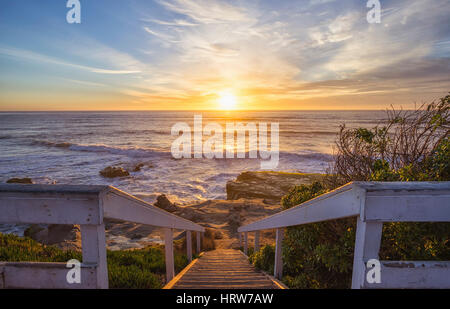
(146,131)
(309,132)
(135,152)
(316,156)
(138,152)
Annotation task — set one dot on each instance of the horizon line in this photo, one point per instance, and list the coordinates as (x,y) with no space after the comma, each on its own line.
(193,110)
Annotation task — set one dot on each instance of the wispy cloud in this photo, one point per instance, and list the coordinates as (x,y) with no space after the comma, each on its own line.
(250,48)
(206,11)
(272,54)
(37,57)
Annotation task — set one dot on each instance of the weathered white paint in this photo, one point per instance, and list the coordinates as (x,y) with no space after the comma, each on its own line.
(278,269)
(367,245)
(256,241)
(413,275)
(373,203)
(199,242)
(122,206)
(27,275)
(189,245)
(409,206)
(20,207)
(318,209)
(245,243)
(168,248)
(86,206)
(371,186)
(93,246)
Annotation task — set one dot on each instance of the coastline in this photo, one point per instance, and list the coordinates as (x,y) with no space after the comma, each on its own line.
(250,197)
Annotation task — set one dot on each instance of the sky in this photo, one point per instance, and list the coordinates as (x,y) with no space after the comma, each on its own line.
(207,54)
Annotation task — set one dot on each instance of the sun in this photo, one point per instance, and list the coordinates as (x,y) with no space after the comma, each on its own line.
(227,101)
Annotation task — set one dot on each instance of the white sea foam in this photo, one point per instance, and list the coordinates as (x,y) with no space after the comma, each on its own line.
(73,147)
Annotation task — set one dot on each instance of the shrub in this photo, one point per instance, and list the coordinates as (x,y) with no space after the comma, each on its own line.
(409,143)
(409,146)
(127,269)
(264,258)
(317,255)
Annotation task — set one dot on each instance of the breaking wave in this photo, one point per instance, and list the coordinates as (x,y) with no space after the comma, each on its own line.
(135,152)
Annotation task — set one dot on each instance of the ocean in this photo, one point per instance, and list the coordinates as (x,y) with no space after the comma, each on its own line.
(72,148)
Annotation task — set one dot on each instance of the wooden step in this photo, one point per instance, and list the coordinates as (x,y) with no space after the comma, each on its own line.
(224,269)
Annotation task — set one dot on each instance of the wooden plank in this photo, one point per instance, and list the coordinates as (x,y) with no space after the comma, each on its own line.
(278,267)
(93,246)
(189,245)
(371,186)
(54,189)
(340,203)
(209,285)
(168,245)
(367,246)
(223,268)
(26,275)
(172,282)
(257,241)
(245,243)
(343,202)
(413,275)
(199,242)
(49,208)
(412,206)
(122,206)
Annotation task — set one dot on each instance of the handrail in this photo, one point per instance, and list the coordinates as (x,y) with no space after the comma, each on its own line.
(112,208)
(372,203)
(87,206)
(301,214)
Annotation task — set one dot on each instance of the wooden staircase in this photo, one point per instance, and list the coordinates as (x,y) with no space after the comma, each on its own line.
(222,269)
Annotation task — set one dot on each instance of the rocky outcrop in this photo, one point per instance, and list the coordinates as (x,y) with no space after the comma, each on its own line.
(163,202)
(25,180)
(114,171)
(65,236)
(138,167)
(270,186)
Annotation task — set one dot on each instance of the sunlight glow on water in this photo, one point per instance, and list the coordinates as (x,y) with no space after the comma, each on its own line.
(73,147)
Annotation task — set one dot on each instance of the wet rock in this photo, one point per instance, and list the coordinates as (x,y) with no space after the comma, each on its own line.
(65,236)
(138,167)
(35,231)
(163,202)
(270,186)
(114,171)
(137,236)
(25,180)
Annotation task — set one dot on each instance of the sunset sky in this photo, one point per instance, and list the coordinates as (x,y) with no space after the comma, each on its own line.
(186,54)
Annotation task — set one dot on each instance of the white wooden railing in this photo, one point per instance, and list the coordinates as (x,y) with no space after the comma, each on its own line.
(86,206)
(372,203)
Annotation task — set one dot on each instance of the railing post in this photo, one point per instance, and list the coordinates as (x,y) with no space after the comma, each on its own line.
(168,244)
(278,269)
(93,247)
(189,245)
(245,243)
(199,243)
(367,246)
(256,241)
